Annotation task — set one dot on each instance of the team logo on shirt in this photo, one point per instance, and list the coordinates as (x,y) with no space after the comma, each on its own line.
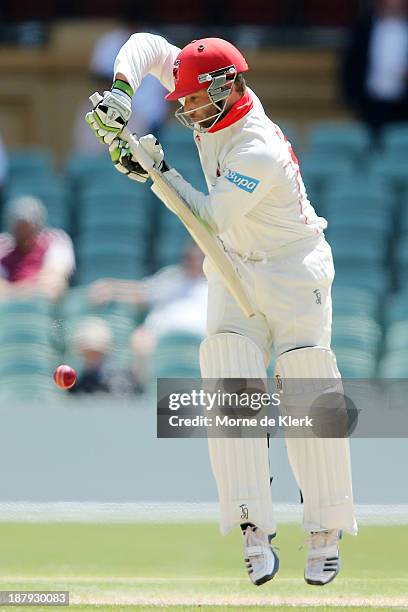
(243,182)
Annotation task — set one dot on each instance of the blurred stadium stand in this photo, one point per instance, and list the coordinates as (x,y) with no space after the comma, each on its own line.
(282,12)
(121,230)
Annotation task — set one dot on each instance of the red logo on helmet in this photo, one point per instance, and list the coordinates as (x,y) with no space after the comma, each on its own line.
(176,68)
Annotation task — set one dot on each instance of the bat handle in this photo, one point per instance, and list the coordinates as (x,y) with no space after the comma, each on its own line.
(95,98)
(137,150)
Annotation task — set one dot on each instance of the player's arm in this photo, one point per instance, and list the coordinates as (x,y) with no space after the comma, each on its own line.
(146,54)
(142,54)
(242,185)
(248,176)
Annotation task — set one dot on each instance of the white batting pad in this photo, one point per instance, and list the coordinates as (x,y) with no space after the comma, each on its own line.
(240,466)
(321,466)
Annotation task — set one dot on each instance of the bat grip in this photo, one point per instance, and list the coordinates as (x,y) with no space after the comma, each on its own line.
(95,98)
(137,150)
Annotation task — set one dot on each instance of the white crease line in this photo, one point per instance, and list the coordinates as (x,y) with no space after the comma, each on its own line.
(174,512)
(169,580)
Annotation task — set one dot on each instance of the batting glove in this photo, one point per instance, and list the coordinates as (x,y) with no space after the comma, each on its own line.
(126,164)
(112,113)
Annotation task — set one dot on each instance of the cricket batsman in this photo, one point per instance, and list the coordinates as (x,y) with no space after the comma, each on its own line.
(258,206)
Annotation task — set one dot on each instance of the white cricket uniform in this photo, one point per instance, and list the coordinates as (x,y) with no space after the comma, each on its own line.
(258,205)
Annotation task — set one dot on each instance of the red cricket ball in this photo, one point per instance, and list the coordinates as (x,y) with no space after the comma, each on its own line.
(65,376)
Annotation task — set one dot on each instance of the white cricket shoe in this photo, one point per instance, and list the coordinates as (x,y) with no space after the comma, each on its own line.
(261,560)
(323,558)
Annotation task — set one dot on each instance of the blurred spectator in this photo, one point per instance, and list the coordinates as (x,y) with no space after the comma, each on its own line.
(163,287)
(177,296)
(149,108)
(33,258)
(3,165)
(93,342)
(184,314)
(375,66)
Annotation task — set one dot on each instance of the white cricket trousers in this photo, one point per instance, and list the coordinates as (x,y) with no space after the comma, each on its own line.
(291,290)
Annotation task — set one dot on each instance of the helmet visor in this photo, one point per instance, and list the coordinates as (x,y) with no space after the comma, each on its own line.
(219,90)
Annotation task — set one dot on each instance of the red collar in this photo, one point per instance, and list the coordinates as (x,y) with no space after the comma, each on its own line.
(236,112)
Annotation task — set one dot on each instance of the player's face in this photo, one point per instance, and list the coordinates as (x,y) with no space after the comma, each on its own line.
(200,108)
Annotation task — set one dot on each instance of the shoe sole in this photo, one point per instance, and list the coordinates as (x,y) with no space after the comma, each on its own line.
(317,583)
(269,576)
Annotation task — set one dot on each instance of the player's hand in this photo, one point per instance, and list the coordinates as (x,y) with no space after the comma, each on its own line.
(112,112)
(126,164)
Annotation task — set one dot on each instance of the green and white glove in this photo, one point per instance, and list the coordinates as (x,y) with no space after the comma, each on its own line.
(126,164)
(112,112)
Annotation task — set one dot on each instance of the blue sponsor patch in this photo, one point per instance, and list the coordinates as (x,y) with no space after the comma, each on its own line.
(243,182)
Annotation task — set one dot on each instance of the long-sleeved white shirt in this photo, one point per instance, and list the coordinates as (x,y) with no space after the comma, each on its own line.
(257,200)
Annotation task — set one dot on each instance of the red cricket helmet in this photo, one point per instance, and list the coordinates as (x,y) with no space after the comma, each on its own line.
(201,61)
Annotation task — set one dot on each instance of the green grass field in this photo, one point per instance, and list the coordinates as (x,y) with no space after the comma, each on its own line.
(187,567)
